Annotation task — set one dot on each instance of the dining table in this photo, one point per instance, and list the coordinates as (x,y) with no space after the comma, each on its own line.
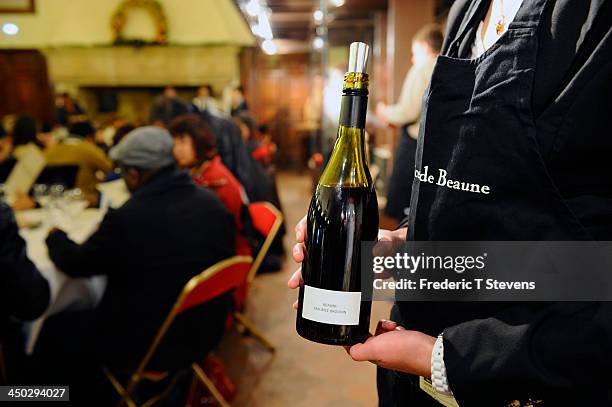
(66,293)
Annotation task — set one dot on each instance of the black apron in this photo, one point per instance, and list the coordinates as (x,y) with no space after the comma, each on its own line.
(477,129)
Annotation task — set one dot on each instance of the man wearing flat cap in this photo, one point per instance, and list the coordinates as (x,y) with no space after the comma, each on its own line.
(167,232)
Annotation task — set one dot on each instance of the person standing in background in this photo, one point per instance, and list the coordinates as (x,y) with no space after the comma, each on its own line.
(518,100)
(426,46)
(67,109)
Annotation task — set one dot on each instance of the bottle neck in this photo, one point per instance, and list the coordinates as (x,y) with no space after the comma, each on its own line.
(347,164)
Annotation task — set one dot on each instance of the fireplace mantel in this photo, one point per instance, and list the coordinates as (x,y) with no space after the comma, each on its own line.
(146,66)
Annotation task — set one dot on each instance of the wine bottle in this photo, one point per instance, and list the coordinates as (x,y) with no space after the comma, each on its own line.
(343,212)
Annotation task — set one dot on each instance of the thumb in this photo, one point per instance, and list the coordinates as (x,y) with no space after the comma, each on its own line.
(362,352)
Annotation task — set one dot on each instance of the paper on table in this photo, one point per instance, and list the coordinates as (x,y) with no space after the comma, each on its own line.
(26,171)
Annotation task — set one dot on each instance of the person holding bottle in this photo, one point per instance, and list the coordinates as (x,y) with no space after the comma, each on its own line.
(518,101)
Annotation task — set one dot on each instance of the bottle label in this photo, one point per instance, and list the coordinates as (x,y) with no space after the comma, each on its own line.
(331,307)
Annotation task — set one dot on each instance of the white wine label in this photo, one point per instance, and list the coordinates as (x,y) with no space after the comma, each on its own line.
(331,307)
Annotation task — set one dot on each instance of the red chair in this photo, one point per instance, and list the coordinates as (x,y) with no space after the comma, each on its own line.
(267,220)
(212,282)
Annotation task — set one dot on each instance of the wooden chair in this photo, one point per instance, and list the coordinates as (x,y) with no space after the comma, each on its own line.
(212,282)
(267,220)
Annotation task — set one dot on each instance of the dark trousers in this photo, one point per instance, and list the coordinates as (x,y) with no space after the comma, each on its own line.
(397,389)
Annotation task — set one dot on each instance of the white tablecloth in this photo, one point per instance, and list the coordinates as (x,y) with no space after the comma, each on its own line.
(66,292)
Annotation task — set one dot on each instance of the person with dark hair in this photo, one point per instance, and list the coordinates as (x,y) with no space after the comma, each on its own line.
(234,154)
(168,231)
(248,126)
(266,180)
(258,143)
(205,100)
(405,114)
(264,185)
(167,107)
(239,103)
(24,133)
(79,149)
(195,150)
(265,149)
(46,137)
(121,132)
(84,130)
(67,109)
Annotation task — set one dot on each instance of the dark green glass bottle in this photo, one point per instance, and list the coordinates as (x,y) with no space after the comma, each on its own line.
(343,212)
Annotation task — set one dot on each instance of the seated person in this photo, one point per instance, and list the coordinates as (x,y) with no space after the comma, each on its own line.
(24,292)
(265,150)
(166,107)
(25,132)
(7,160)
(79,149)
(195,150)
(167,232)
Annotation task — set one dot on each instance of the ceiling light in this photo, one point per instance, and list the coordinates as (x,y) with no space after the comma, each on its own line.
(10,28)
(252,8)
(338,3)
(264,30)
(318,16)
(269,47)
(318,43)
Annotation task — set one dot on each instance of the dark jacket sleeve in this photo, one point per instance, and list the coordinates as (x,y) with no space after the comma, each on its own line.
(98,255)
(24,292)
(551,349)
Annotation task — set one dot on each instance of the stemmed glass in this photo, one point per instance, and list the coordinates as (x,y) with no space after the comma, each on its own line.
(41,195)
(55,205)
(74,202)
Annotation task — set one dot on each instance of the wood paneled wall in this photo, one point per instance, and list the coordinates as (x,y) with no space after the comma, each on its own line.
(277,88)
(24,85)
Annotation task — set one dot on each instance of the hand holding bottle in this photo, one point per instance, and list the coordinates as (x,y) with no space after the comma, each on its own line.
(296,281)
(392,346)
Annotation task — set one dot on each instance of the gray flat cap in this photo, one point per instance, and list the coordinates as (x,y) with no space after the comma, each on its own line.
(146,147)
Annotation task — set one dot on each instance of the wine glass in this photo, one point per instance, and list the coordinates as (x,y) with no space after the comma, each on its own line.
(57,191)
(75,203)
(56,204)
(41,195)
